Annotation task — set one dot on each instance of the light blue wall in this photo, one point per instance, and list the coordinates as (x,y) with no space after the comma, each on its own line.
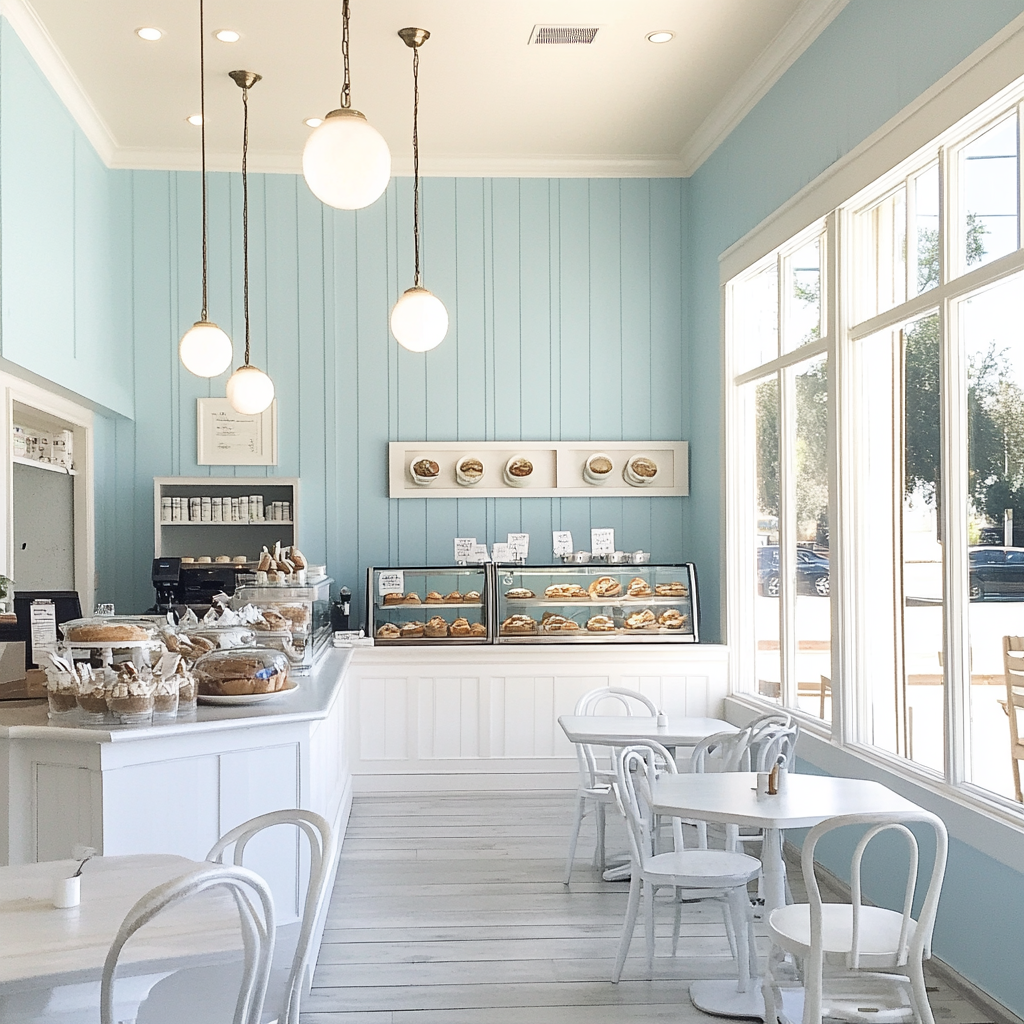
(568,322)
(63,244)
(864,68)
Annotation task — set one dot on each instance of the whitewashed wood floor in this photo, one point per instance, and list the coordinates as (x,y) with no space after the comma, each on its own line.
(450,909)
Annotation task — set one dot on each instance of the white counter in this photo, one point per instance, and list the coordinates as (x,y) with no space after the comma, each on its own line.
(485,717)
(176,788)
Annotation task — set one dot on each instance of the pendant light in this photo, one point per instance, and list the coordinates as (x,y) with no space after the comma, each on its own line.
(419,320)
(204,349)
(346,162)
(248,390)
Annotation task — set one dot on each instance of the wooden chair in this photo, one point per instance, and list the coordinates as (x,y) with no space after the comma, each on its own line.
(596,781)
(875,956)
(256,913)
(695,873)
(291,972)
(1013,667)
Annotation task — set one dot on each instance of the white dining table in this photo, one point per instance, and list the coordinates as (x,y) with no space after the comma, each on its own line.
(622,730)
(51,961)
(731,798)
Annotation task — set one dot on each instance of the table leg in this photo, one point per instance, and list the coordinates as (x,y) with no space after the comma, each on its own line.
(723,998)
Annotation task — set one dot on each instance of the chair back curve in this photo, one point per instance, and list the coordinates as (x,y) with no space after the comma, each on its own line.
(256,918)
(321,856)
(588,703)
(637,768)
(915,937)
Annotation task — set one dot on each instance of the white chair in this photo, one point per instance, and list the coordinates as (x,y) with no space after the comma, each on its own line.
(291,974)
(596,782)
(773,741)
(257,921)
(695,874)
(857,943)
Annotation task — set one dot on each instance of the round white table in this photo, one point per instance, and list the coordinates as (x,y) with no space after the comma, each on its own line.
(730,798)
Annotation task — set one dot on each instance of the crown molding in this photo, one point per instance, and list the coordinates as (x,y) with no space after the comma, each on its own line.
(50,61)
(140,159)
(809,20)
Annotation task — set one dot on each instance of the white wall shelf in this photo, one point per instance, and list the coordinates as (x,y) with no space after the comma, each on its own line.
(49,466)
(188,537)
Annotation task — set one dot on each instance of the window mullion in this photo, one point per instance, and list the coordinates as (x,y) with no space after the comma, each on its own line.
(787,535)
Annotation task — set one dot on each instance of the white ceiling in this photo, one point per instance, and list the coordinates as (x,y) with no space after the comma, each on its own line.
(490,103)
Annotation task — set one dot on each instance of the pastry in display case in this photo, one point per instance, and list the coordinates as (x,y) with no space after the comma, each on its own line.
(428,606)
(292,617)
(596,603)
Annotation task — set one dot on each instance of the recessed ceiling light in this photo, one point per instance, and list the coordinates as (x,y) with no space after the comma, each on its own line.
(313,122)
(196,119)
(228,35)
(151,35)
(660,37)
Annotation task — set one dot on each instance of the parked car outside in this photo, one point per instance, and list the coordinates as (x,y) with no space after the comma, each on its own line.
(996,573)
(812,571)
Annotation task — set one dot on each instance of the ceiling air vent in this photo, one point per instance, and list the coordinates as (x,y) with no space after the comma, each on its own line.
(573,35)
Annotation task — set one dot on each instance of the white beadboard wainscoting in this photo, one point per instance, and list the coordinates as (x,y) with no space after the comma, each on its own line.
(423,718)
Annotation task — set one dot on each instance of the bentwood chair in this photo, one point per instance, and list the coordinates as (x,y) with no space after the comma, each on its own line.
(597,768)
(1013,667)
(694,874)
(291,973)
(256,913)
(859,962)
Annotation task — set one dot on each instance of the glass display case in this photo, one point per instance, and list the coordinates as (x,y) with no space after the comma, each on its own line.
(303,612)
(447,605)
(596,603)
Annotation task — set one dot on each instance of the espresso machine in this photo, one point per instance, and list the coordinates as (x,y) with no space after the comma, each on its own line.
(192,585)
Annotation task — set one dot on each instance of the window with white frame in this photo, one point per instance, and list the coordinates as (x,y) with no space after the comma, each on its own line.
(891,590)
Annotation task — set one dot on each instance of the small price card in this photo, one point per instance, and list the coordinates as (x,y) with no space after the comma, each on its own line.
(391,582)
(464,548)
(479,554)
(519,544)
(561,543)
(43,618)
(501,552)
(602,542)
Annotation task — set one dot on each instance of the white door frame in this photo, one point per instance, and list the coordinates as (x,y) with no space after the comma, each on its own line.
(13,389)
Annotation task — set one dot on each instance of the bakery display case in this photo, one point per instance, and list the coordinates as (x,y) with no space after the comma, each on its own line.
(596,603)
(447,605)
(293,616)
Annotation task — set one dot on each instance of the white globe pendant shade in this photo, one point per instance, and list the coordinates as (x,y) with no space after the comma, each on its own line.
(346,162)
(249,390)
(205,349)
(419,320)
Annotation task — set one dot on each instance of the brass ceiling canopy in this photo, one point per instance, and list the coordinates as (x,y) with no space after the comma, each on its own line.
(245,79)
(414,37)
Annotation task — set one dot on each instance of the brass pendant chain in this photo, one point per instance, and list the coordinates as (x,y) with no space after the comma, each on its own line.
(245,215)
(202,129)
(416,161)
(346,88)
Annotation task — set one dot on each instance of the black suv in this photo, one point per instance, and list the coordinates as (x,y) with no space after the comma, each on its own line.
(996,573)
(812,572)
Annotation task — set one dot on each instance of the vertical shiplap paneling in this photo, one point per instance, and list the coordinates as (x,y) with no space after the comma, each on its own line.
(372,411)
(315,373)
(438,230)
(469,317)
(566,322)
(667,342)
(280,341)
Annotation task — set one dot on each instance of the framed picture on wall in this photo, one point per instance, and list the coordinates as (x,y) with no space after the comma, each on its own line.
(225,437)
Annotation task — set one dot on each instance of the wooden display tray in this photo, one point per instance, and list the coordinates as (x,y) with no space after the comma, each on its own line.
(558,469)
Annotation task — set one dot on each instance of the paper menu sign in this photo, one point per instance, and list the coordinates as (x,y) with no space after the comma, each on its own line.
(464,547)
(392,582)
(501,552)
(519,544)
(602,542)
(561,542)
(479,554)
(43,618)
